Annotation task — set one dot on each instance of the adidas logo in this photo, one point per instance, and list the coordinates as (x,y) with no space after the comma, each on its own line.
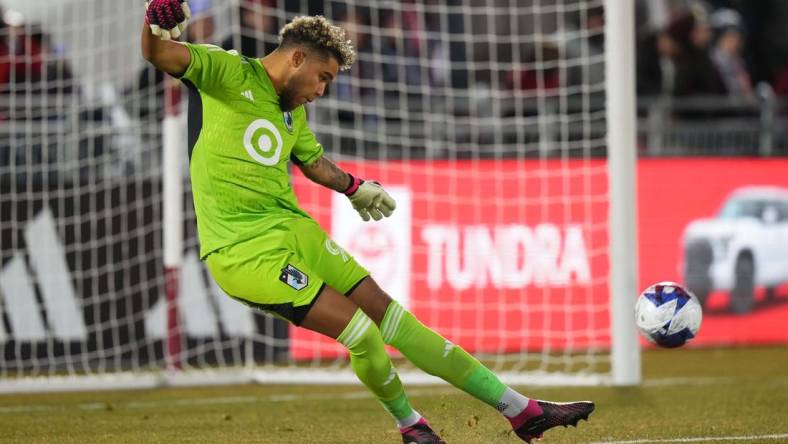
(447,348)
(58,312)
(50,274)
(203,306)
(248,94)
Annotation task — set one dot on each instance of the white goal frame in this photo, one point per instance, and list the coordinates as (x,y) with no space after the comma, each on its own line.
(621,118)
(625,360)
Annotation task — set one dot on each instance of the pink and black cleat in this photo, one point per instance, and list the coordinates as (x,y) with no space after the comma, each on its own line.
(420,433)
(541,416)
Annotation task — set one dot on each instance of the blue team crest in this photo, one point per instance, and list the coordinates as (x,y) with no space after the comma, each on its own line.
(294,277)
(288,116)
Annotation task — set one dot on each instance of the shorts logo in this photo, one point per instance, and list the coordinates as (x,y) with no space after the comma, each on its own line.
(294,277)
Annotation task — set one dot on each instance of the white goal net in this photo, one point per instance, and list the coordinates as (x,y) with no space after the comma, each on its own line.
(485,119)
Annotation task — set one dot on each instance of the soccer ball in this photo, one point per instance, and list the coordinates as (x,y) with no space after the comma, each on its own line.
(668,314)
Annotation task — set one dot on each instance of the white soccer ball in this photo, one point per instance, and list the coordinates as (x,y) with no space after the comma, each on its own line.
(668,314)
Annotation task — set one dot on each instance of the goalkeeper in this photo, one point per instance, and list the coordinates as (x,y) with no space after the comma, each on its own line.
(246,122)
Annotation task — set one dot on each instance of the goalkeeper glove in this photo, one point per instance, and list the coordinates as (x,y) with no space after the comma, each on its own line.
(167,18)
(369,199)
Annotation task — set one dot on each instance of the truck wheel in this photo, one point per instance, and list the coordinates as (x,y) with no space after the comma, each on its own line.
(698,256)
(742,295)
(700,288)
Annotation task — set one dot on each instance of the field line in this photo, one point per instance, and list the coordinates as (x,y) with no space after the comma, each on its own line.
(219,400)
(677,381)
(699,439)
(285,397)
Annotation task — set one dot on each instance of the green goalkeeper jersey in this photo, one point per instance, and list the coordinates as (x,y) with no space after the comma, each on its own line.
(240,143)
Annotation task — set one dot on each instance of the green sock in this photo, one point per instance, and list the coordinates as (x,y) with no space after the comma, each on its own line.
(437,356)
(373,367)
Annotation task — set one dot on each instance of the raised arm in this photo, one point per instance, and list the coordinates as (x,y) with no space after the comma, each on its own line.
(367,197)
(166,18)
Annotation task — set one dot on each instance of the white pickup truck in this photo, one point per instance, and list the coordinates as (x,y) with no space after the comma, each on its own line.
(744,247)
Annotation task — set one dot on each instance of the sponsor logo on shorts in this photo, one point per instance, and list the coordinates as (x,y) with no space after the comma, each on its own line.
(294,277)
(336,250)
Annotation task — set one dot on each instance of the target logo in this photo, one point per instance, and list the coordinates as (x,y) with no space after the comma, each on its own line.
(375,247)
(382,247)
(263,142)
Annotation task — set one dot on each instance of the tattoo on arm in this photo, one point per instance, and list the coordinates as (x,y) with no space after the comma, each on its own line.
(326,173)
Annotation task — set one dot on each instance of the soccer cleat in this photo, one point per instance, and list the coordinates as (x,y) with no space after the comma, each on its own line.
(540,416)
(420,433)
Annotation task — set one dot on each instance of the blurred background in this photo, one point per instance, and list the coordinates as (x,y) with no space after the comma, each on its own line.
(711,75)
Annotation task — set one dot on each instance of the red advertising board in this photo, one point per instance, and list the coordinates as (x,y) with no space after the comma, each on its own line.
(511,255)
(672,193)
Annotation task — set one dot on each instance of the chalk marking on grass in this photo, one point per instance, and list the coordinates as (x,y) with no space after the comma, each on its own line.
(26,408)
(698,439)
(290,397)
(93,406)
(190,401)
(663,382)
(284,397)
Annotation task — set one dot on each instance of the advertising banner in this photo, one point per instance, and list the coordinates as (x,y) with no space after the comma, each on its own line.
(511,255)
(700,219)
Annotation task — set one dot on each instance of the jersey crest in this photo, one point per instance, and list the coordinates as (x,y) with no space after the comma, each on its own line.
(288,117)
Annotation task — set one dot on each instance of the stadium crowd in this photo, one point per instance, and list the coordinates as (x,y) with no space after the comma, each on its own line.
(718,48)
(29,61)
(685,47)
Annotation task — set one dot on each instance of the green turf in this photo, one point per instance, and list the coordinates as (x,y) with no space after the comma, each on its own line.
(686,393)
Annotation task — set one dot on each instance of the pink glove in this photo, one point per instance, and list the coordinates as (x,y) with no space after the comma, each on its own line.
(167,18)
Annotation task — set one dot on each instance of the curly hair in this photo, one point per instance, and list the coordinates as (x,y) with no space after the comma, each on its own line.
(319,34)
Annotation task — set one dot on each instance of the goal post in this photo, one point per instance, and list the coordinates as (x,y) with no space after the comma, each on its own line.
(172,205)
(504,130)
(622,160)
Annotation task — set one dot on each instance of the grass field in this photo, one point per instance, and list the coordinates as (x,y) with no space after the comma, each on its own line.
(688,395)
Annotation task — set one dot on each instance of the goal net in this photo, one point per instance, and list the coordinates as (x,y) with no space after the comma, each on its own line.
(486,120)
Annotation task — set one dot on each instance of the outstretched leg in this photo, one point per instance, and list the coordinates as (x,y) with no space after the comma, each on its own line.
(336,316)
(438,356)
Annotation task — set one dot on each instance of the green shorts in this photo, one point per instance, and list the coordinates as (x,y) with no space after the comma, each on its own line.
(283,270)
